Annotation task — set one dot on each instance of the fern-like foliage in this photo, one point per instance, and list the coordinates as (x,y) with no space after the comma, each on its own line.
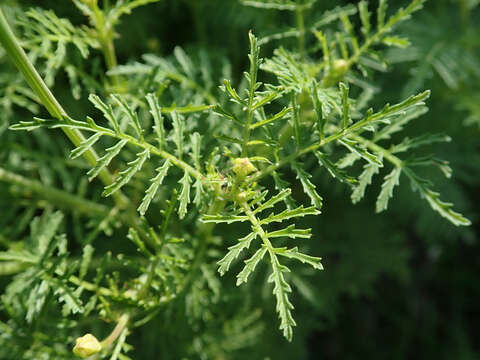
(125,128)
(50,41)
(45,274)
(336,119)
(170,139)
(156,74)
(252,104)
(251,212)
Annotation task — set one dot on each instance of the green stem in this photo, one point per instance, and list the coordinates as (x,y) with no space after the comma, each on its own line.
(90,287)
(105,37)
(60,198)
(144,145)
(378,35)
(122,323)
(313,147)
(69,201)
(21,61)
(271,168)
(254,49)
(257,227)
(301,29)
(378,149)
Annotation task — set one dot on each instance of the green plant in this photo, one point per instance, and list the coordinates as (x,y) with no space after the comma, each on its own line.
(180,159)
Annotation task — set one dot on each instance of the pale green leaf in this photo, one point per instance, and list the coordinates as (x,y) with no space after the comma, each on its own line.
(184,196)
(152,189)
(389,182)
(291,233)
(365,179)
(126,175)
(308,187)
(102,162)
(293,253)
(290,213)
(85,145)
(250,265)
(131,114)
(234,251)
(156,112)
(281,289)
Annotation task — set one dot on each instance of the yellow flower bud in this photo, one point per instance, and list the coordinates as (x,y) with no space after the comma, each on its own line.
(86,346)
(243,166)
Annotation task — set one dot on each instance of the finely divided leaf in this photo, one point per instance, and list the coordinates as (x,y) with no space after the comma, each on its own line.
(234,251)
(308,187)
(278,116)
(223,218)
(156,112)
(306,259)
(126,175)
(360,151)
(106,110)
(397,125)
(427,139)
(345,104)
(265,97)
(272,4)
(281,289)
(199,191)
(250,265)
(220,111)
(282,195)
(443,208)
(196,141)
(364,18)
(291,233)
(178,129)
(184,195)
(390,111)
(86,259)
(227,87)
(131,114)
(364,180)
(381,13)
(290,213)
(334,170)
(390,181)
(152,189)
(102,162)
(281,185)
(85,145)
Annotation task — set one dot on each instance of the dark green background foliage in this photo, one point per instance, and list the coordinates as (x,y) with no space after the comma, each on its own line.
(400,284)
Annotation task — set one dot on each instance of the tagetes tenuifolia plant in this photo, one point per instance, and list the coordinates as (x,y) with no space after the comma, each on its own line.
(203,174)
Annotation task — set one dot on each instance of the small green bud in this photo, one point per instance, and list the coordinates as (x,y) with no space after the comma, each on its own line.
(243,167)
(242,197)
(335,72)
(86,346)
(339,67)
